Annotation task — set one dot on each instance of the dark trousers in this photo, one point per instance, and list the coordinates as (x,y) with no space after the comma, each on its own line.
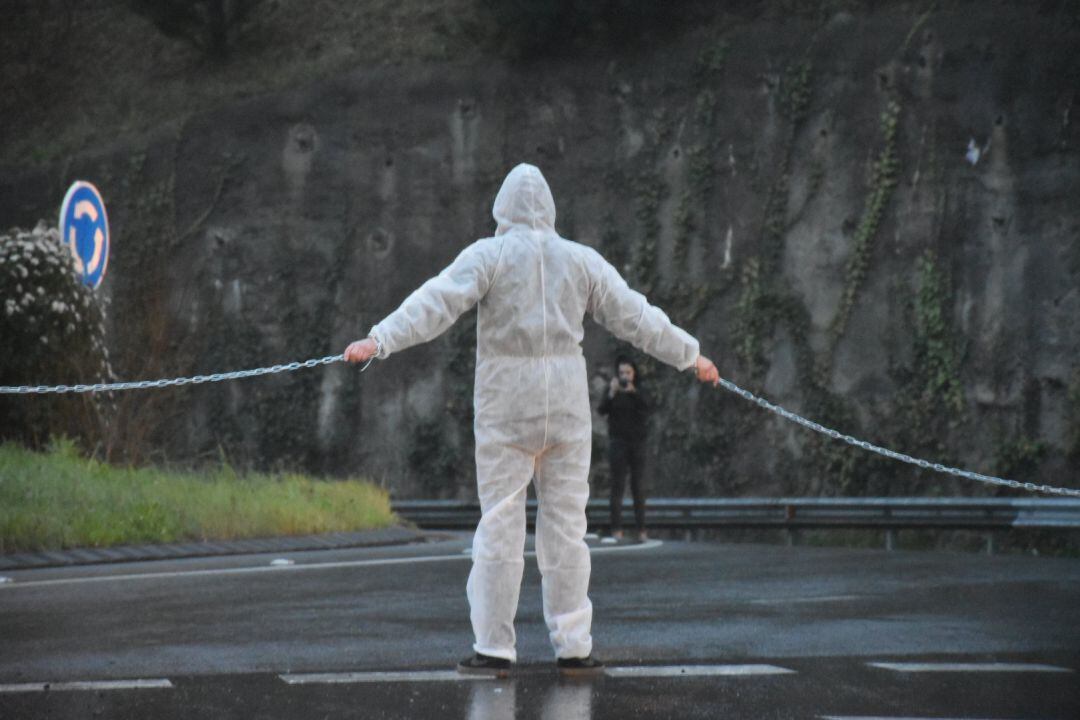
(627,456)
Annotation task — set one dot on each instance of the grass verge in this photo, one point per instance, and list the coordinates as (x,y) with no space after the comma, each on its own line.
(59,499)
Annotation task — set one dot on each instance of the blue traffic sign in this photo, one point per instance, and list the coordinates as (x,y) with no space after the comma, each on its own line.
(84,228)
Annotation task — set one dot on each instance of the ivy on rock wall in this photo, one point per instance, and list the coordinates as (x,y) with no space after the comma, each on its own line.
(790,187)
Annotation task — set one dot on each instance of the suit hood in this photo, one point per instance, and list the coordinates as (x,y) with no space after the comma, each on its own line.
(524,200)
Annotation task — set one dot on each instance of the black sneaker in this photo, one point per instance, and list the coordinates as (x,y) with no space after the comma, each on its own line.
(484,665)
(579,667)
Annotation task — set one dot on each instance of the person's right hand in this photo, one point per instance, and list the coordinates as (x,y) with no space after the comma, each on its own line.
(706,371)
(361,350)
(614,387)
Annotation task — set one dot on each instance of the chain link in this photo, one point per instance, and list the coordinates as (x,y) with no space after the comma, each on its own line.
(938,467)
(195,380)
(315,362)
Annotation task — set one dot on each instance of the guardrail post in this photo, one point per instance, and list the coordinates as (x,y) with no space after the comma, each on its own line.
(890,540)
(990,544)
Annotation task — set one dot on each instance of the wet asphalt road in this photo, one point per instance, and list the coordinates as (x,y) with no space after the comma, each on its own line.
(237,637)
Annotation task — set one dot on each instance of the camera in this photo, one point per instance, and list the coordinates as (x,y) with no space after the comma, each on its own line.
(623,382)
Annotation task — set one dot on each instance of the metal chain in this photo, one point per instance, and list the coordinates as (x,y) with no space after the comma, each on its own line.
(288,367)
(938,467)
(195,380)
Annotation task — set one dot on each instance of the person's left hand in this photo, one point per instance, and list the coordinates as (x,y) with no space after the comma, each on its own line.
(706,371)
(361,350)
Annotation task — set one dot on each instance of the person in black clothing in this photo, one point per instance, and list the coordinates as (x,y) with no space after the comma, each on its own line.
(627,409)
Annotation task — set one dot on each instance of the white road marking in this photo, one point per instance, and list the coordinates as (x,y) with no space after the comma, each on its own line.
(232,571)
(647,545)
(882,717)
(454,676)
(655,671)
(970,667)
(820,598)
(87,685)
(378,677)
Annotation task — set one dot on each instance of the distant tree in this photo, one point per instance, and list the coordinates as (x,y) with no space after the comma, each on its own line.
(209,24)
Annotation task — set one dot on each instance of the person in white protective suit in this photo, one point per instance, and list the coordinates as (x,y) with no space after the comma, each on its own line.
(533,419)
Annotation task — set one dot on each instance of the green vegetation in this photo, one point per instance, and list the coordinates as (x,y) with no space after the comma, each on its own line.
(937,358)
(765,301)
(60,499)
(886,171)
(53,331)
(750,323)
(1072,443)
(712,58)
(651,191)
(918,25)
(206,24)
(685,226)
(796,90)
(1018,458)
(931,403)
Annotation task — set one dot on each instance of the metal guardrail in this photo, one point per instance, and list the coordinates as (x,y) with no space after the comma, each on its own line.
(883,513)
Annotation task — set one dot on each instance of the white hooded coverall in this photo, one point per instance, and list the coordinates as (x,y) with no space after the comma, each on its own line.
(531,396)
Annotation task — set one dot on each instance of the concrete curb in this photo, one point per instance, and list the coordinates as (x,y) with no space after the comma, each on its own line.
(396,535)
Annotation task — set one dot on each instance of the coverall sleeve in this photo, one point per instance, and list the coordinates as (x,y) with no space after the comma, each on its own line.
(605,403)
(435,305)
(630,317)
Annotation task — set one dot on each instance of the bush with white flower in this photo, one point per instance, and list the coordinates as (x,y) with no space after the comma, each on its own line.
(52,332)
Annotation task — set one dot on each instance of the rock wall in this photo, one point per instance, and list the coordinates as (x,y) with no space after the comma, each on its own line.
(803,196)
